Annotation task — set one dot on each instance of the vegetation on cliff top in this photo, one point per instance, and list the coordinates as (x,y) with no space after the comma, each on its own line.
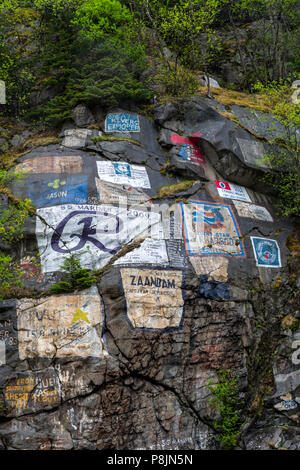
(57,54)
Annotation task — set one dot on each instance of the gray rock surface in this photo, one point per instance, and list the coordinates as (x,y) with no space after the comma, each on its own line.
(128,362)
(82,116)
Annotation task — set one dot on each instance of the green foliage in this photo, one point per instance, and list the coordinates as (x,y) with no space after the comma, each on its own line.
(75,277)
(97,18)
(15,70)
(285,161)
(10,273)
(13,216)
(178,81)
(79,50)
(227,403)
(100,74)
(178,26)
(269,49)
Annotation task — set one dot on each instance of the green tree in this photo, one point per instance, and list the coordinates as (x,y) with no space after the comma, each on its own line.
(75,277)
(99,18)
(79,50)
(178,25)
(271,50)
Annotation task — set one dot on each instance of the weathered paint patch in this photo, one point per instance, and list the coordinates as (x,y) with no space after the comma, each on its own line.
(76,138)
(113,193)
(2,92)
(213,289)
(190,150)
(94,233)
(150,252)
(216,268)
(286,405)
(51,191)
(31,269)
(211,229)
(253,152)
(2,353)
(17,395)
(123,173)
(122,122)
(28,391)
(154,298)
(51,326)
(8,336)
(232,191)
(49,164)
(266,252)
(252,211)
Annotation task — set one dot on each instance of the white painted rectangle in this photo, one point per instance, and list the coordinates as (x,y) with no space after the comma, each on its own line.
(232,191)
(154,298)
(2,353)
(150,252)
(94,233)
(62,326)
(123,173)
(252,211)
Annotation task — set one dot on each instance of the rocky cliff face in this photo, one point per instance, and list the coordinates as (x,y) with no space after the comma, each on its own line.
(195,273)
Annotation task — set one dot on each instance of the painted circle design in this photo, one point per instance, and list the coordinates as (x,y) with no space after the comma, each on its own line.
(267,252)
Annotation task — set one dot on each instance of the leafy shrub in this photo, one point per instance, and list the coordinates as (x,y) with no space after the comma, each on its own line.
(177,81)
(227,404)
(285,161)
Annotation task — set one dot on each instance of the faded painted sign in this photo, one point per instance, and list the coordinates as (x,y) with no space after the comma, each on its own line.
(8,336)
(122,122)
(189,151)
(76,138)
(153,298)
(211,229)
(49,164)
(2,353)
(286,405)
(215,268)
(31,269)
(2,92)
(28,391)
(113,193)
(296,354)
(253,152)
(266,251)
(61,326)
(17,395)
(150,252)
(123,173)
(50,191)
(252,211)
(94,233)
(232,191)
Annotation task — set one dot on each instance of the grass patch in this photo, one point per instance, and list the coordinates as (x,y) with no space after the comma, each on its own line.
(170,190)
(108,138)
(230,97)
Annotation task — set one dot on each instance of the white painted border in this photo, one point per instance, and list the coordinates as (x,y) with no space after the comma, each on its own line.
(123,132)
(266,266)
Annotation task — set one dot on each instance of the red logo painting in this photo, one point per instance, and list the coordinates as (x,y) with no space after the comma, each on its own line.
(189,150)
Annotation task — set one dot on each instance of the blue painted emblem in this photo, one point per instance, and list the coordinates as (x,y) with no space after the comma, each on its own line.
(266,252)
(122,122)
(64,190)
